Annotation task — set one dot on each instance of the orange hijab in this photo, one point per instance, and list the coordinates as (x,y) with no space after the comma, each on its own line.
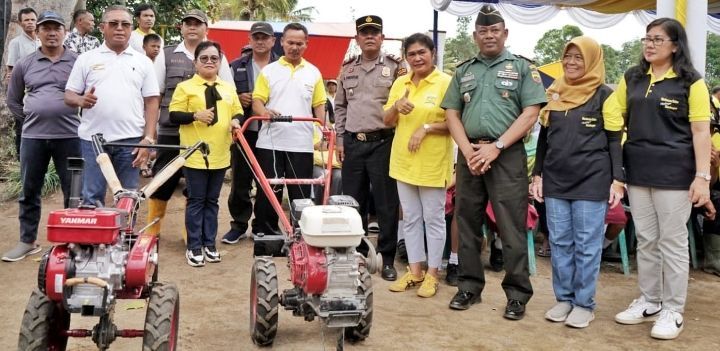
(564,95)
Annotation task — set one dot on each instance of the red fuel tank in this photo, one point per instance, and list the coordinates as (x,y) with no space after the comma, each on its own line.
(84,226)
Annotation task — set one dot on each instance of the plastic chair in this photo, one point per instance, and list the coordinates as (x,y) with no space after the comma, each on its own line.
(531,225)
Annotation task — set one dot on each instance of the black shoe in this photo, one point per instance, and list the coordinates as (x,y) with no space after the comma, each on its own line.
(451,275)
(496,259)
(402,251)
(514,310)
(610,255)
(388,272)
(463,300)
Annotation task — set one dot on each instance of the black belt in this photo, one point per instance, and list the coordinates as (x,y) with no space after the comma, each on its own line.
(482,140)
(372,136)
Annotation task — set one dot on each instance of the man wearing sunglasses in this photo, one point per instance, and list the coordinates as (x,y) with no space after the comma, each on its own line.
(117,89)
(177,67)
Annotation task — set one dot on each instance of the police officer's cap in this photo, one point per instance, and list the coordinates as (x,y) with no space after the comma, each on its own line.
(488,16)
(368,21)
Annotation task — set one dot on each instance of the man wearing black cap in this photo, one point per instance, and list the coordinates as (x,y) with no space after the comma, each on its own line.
(246,69)
(178,66)
(363,141)
(491,103)
(35,96)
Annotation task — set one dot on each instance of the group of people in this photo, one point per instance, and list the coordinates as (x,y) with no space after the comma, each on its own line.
(396,121)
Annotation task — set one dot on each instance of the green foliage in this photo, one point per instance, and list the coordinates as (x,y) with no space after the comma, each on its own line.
(13,181)
(265,10)
(550,46)
(712,65)
(169,13)
(612,70)
(629,55)
(459,48)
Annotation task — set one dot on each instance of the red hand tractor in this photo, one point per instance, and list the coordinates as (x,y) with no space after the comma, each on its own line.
(99,258)
(331,280)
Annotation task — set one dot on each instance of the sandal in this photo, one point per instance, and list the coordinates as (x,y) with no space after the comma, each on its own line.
(544,252)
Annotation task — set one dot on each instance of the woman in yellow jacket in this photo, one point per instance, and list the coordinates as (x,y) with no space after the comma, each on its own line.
(204,106)
(420,161)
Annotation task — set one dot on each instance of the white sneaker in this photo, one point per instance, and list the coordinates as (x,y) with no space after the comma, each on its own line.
(195,257)
(668,326)
(638,312)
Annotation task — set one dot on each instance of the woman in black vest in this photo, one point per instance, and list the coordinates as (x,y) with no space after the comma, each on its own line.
(667,165)
(578,171)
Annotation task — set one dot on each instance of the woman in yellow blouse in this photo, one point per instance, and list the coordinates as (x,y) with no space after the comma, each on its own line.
(204,106)
(420,161)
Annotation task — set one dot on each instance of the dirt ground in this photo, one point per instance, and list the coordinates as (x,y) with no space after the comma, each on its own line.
(214,306)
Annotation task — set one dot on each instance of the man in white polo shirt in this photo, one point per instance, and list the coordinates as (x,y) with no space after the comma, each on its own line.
(117,88)
(289,86)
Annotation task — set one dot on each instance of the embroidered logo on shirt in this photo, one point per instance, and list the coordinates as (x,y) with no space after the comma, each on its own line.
(97,67)
(589,122)
(670,104)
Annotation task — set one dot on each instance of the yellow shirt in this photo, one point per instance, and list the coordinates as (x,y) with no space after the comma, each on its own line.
(189,96)
(321,158)
(698,97)
(431,164)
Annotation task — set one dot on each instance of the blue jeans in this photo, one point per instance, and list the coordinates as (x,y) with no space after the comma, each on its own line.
(35,155)
(94,184)
(201,211)
(576,237)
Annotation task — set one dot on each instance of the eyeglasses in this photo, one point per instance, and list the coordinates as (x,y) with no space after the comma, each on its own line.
(211,59)
(118,24)
(657,41)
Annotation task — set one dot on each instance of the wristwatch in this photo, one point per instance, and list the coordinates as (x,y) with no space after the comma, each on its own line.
(426,127)
(149,140)
(499,145)
(703,175)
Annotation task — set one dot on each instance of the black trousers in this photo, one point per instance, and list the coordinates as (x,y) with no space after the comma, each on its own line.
(367,164)
(505,185)
(278,164)
(239,202)
(164,157)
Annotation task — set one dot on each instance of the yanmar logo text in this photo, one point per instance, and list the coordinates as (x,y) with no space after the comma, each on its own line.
(72,220)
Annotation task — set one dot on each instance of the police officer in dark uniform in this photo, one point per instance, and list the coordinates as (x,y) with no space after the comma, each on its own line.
(364,142)
(491,103)
(245,70)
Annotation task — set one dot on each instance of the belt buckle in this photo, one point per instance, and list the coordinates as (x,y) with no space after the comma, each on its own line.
(361,136)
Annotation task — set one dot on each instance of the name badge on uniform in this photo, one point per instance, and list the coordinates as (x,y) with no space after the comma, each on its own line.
(508,74)
(385,71)
(466,97)
(467,77)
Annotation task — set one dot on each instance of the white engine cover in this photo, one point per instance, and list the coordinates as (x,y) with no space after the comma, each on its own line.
(331,226)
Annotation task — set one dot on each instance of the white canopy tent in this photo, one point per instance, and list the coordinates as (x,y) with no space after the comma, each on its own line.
(585,12)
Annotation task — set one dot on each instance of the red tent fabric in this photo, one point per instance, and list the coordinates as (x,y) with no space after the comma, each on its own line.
(327,44)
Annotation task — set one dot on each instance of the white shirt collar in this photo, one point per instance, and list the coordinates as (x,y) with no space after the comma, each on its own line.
(128,50)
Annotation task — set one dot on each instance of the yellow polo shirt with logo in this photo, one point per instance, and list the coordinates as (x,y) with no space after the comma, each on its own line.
(291,91)
(431,164)
(699,109)
(189,96)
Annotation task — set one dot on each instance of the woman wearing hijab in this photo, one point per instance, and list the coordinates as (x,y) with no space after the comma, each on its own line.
(204,106)
(578,172)
(667,162)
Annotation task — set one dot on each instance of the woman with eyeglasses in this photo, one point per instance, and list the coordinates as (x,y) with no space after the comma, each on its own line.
(667,167)
(578,172)
(205,107)
(420,161)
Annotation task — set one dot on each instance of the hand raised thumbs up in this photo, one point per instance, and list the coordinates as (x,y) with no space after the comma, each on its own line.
(205,116)
(89,99)
(404,106)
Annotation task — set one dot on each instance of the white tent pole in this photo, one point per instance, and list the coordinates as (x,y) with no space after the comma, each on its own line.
(697,28)
(666,8)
